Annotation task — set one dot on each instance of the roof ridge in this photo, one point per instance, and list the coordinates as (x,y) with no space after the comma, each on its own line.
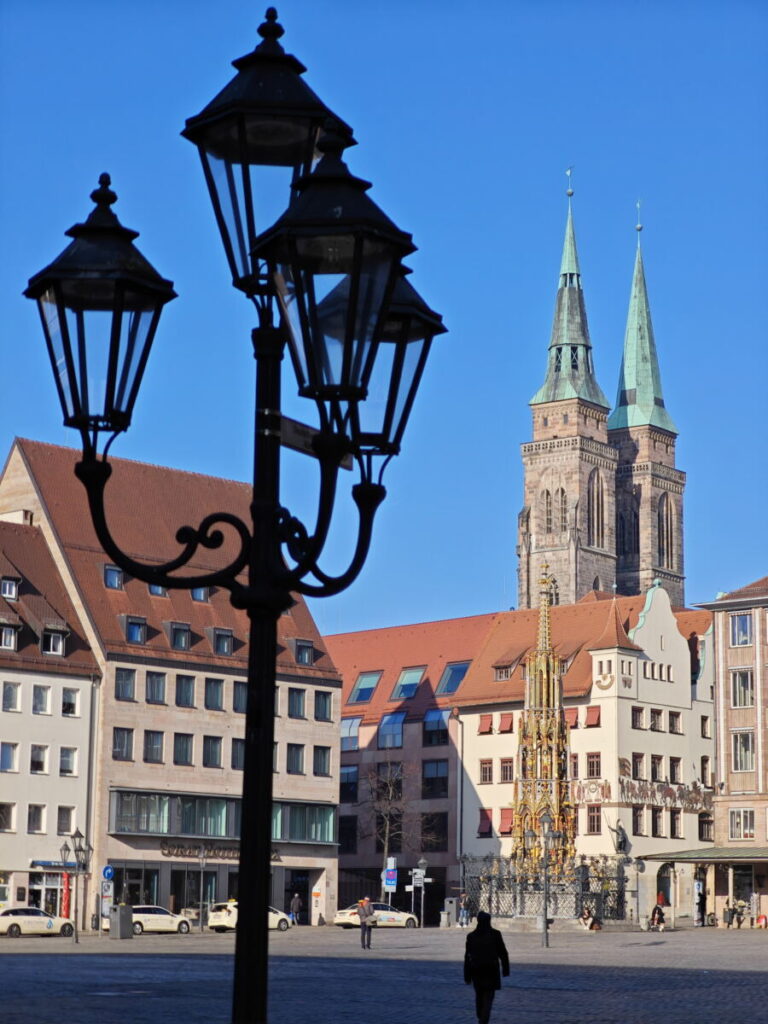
(24,442)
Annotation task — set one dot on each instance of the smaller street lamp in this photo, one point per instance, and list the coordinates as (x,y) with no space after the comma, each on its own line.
(547,838)
(421,864)
(82,852)
(202,856)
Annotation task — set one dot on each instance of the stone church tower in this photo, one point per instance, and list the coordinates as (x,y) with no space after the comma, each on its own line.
(602,498)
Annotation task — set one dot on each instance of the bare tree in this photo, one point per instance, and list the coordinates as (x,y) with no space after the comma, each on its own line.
(391,789)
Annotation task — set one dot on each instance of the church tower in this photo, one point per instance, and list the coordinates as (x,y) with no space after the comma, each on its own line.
(649,489)
(568,515)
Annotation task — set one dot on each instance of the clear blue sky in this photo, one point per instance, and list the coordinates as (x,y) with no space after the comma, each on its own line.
(467,117)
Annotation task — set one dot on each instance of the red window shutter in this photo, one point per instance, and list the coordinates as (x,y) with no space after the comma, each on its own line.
(486,725)
(485,824)
(593,715)
(572,717)
(505,827)
(505,725)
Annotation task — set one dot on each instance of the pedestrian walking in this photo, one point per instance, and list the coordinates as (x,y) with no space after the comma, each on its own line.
(485,951)
(657,918)
(295,908)
(463,910)
(367,917)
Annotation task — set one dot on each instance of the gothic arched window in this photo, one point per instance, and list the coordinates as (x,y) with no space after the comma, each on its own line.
(665,534)
(561,509)
(546,510)
(596,583)
(595,510)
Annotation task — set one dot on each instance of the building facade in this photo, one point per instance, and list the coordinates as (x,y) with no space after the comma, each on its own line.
(739,868)
(603,500)
(168,721)
(49,678)
(637,698)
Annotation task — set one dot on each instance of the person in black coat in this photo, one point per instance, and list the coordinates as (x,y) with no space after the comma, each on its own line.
(485,951)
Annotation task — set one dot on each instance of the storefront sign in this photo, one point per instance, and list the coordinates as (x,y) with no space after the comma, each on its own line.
(196,850)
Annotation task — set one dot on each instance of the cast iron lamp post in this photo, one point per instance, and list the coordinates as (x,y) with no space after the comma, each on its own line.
(548,838)
(358,335)
(83,852)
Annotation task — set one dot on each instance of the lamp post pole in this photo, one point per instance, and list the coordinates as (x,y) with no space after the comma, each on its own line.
(422,866)
(202,858)
(358,335)
(547,838)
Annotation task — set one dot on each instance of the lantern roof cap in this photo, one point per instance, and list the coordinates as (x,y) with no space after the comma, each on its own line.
(101,248)
(332,200)
(268,81)
(406,301)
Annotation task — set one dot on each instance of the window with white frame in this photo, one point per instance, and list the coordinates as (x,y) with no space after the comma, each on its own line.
(8,638)
(223,642)
(743,751)
(113,577)
(180,636)
(53,642)
(741,823)
(38,759)
(41,700)
(742,689)
(68,761)
(136,631)
(11,696)
(64,820)
(9,757)
(36,818)
(69,702)
(9,588)
(741,629)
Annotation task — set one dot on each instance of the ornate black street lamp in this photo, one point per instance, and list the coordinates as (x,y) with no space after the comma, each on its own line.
(358,336)
(548,839)
(83,852)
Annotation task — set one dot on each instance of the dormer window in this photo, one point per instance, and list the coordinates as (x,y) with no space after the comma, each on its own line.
(200,593)
(181,636)
(157,590)
(113,577)
(136,631)
(7,638)
(53,642)
(222,641)
(305,652)
(9,588)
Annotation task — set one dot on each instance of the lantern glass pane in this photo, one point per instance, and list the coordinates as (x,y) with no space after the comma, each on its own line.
(248,199)
(132,341)
(49,311)
(90,333)
(332,294)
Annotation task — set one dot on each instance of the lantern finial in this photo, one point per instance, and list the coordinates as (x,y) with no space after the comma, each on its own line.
(270,31)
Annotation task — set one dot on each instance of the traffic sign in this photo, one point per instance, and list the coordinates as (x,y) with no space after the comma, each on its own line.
(108,873)
(390,880)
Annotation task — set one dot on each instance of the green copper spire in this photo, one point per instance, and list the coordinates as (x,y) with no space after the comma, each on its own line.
(570,373)
(639,401)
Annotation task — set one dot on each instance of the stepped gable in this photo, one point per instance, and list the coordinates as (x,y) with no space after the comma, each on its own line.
(145,506)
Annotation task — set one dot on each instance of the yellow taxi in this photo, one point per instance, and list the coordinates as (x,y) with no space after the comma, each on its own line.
(223,917)
(16,921)
(154,919)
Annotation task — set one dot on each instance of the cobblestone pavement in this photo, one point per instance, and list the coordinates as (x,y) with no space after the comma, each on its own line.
(704,976)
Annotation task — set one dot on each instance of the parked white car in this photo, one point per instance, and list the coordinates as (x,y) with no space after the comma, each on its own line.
(16,921)
(223,917)
(154,919)
(386,917)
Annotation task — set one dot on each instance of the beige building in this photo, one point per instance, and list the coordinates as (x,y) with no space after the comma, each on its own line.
(638,702)
(169,713)
(48,676)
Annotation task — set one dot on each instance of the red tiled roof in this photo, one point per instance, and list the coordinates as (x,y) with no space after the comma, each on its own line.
(145,506)
(42,603)
(614,634)
(390,650)
(757,589)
